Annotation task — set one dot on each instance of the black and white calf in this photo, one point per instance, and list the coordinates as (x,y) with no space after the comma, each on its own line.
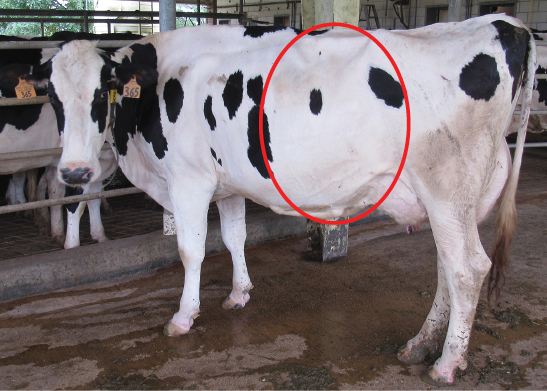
(334,129)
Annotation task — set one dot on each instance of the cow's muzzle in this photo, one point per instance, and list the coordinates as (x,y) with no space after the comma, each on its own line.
(77,176)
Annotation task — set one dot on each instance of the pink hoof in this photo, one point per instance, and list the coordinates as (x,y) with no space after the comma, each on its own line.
(231,304)
(434,378)
(172,329)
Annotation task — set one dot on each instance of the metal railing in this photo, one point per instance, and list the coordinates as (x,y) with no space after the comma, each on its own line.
(86,17)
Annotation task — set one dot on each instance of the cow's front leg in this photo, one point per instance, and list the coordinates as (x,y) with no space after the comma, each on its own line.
(94,206)
(74,213)
(430,338)
(232,222)
(55,190)
(191,221)
(466,265)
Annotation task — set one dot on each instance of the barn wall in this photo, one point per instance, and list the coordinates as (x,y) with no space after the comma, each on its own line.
(533,12)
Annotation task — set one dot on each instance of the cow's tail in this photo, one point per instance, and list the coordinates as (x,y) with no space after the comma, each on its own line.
(506,219)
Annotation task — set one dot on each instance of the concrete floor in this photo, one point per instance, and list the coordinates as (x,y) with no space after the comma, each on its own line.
(308,325)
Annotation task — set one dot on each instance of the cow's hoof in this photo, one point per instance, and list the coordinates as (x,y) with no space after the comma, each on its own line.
(174,330)
(434,378)
(413,356)
(231,304)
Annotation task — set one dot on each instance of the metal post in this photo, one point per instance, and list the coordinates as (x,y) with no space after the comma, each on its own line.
(199,11)
(168,19)
(86,19)
(454,9)
(215,19)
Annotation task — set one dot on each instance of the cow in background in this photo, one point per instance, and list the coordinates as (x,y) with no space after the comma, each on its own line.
(33,127)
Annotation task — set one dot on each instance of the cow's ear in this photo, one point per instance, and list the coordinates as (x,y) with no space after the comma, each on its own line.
(37,75)
(144,74)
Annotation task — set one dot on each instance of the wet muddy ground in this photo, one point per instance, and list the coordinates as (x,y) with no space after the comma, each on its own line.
(308,325)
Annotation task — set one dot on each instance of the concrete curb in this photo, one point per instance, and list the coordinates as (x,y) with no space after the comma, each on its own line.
(40,273)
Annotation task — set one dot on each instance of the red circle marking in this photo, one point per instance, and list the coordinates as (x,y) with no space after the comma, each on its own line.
(261,124)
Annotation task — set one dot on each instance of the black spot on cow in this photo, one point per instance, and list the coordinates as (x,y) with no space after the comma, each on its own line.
(73,191)
(254,89)
(173,95)
(259,31)
(316,101)
(385,87)
(215,157)
(233,93)
(318,32)
(21,117)
(514,41)
(99,105)
(254,152)
(480,78)
(143,114)
(57,107)
(24,116)
(208,112)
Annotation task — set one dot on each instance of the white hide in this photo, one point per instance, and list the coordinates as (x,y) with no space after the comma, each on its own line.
(330,165)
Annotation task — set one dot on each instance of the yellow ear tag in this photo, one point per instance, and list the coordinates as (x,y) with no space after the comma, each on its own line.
(113,96)
(132,89)
(25,90)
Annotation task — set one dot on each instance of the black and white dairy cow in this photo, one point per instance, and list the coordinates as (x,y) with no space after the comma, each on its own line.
(334,129)
(32,127)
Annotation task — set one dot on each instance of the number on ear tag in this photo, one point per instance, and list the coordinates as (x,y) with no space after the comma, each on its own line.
(113,96)
(132,89)
(24,90)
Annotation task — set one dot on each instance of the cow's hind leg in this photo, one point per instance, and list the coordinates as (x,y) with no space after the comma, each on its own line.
(232,221)
(190,213)
(430,338)
(466,265)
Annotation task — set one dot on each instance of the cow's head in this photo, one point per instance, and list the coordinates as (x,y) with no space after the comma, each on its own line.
(79,87)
